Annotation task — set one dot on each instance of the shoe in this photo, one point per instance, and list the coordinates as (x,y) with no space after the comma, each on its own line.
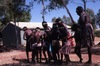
(89,62)
(33,61)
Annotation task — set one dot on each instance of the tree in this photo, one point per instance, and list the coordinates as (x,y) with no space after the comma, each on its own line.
(58,4)
(53,19)
(67,20)
(43,12)
(14,9)
(84,2)
(4,15)
(92,16)
(98,18)
(24,18)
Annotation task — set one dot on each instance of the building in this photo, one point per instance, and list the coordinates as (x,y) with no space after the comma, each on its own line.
(10,36)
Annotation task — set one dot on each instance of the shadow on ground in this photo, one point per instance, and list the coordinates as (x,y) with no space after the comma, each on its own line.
(23,62)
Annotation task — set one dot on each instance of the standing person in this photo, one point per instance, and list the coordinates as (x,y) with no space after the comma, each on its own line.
(44,47)
(87,34)
(64,33)
(47,41)
(33,46)
(27,37)
(38,36)
(55,33)
(78,40)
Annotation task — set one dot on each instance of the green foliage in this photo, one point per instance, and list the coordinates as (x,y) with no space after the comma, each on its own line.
(25,17)
(67,20)
(56,4)
(92,16)
(53,19)
(18,7)
(11,10)
(98,18)
(91,13)
(97,33)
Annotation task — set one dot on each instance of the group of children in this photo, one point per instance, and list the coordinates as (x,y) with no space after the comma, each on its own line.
(51,42)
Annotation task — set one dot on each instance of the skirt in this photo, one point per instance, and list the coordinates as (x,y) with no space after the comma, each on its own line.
(65,49)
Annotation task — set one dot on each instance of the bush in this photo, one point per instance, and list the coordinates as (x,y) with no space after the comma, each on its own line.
(97,33)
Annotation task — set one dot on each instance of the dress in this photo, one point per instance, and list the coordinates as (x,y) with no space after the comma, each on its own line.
(65,48)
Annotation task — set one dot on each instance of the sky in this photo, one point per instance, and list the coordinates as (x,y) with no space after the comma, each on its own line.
(36,15)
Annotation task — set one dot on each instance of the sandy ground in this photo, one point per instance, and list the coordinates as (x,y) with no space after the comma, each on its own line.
(18,58)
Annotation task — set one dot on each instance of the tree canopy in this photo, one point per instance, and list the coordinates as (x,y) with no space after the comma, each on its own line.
(11,10)
(98,18)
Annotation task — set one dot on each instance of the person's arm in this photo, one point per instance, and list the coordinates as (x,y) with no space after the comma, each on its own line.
(70,37)
(24,36)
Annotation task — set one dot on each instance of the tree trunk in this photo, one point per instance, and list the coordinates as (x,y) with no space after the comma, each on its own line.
(43,10)
(84,5)
(16,31)
(68,12)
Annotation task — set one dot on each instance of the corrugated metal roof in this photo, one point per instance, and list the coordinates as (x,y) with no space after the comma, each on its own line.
(32,24)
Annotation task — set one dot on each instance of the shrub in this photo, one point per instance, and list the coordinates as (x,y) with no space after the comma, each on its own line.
(97,33)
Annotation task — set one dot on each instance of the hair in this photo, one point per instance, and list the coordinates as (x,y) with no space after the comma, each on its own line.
(44,23)
(37,28)
(58,20)
(79,8)
(24,28)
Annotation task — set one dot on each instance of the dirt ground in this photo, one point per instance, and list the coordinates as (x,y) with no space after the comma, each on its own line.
(18,58)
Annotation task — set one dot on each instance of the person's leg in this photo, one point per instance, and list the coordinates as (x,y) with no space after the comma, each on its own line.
(67,58)
(58,56)
(57,52)
(33,56)
(40,54)
(37,58)
(27,54)
(89,55)
(62,57)
(44,50)
(78,53)
(54,54)
(49,54)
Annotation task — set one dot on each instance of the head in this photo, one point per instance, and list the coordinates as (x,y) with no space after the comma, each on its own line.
(55,25)
(25,28)
(79,10)
(44,24)
(59,22)
(37,29)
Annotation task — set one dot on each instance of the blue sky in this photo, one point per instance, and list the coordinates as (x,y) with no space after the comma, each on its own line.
(37,16)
